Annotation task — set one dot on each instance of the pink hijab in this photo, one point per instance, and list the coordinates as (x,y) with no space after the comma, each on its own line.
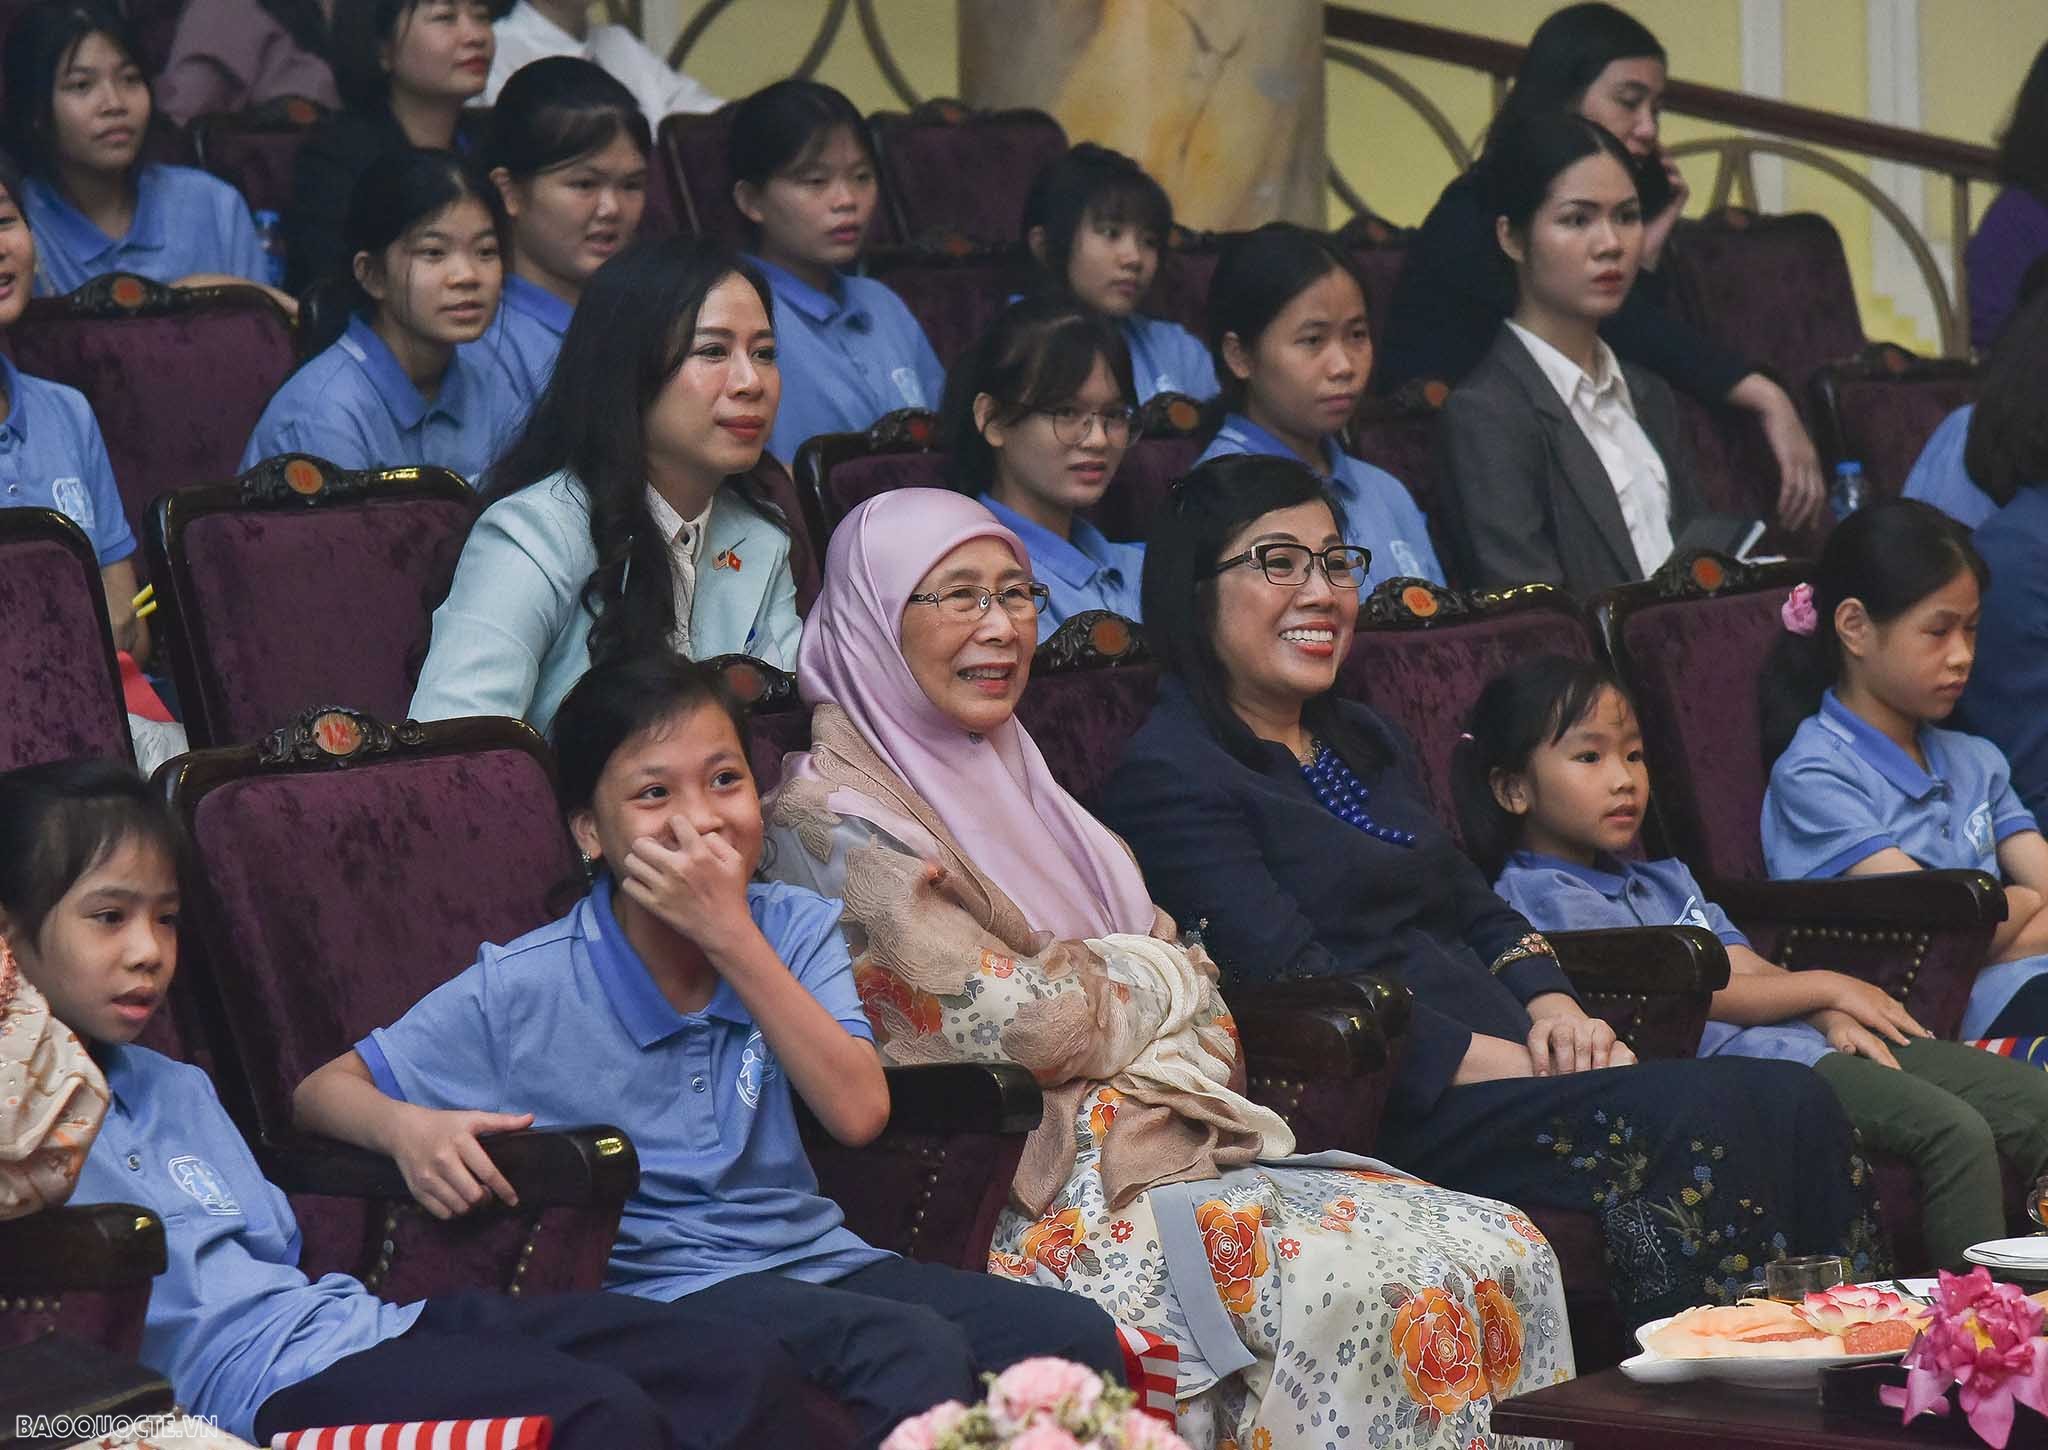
(1063,868)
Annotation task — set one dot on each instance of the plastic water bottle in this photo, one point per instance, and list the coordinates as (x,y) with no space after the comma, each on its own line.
(271,232)
(1849,491)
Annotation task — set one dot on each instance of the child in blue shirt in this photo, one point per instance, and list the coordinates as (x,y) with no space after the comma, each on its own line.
(91,866)
(1551,787)
(1287,321)
(692,1008)
(401,387)
(1037,417)
(1095,222)
(51,452)
(805,179)
(1876,650)
(568,154)
(78,102)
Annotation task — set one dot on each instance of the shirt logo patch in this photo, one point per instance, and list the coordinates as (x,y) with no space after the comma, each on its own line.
(757,1065)
(1693,914)
(198,1178)
(907,384)
(1978,831)
(73,501)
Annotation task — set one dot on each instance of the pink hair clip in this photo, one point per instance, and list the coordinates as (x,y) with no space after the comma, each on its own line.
(1798,612)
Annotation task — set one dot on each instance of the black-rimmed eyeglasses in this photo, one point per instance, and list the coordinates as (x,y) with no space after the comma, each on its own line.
(1344,565)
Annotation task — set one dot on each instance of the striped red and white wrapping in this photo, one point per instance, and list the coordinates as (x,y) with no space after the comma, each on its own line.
(1152,1365)
(527,1432)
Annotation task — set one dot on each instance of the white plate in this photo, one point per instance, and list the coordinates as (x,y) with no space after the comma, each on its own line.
(2027,1256)
(1756,1371)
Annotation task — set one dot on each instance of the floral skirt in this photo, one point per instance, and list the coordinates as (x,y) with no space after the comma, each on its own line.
(1373,1309)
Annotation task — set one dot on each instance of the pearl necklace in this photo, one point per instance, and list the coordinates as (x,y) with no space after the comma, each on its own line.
(1345,796)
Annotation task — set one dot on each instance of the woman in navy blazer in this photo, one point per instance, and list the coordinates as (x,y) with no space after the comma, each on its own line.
(1289,827)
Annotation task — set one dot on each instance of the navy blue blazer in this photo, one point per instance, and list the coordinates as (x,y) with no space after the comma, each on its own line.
(1282,888)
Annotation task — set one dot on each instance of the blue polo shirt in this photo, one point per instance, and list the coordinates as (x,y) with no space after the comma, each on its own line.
(526,337)
(1940,477)
(1167,358)
(2008,695)
(566,1024)
(231,1319)
(1560,895)
(1842,792)
(847,356)
(52,457)
(1084,571)
(354,406)
(1378,512)
(185,222)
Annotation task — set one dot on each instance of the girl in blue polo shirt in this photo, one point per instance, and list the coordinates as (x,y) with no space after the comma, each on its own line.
(1876,649)
(568,153)
(92,863)
(79,107)
(1095,222)
(692,1007)
(1552,787)
(1038,414)
(400,387)
(1287,322)
(804,177)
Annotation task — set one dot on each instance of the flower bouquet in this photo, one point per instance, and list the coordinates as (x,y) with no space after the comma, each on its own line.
(1984,1339)
(1039,1404)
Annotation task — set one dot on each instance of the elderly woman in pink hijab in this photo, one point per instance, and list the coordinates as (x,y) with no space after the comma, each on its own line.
(993,919)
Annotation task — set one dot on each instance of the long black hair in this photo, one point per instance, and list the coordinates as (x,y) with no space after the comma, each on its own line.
(620,699)
(783,124)
(1890,555)
(1523,159)
(1524,708)
(1038,353)
(630,334)
(42,42)
(1258,273)
(2007,444)
(2023,148)
(1566,55)
(1178,596)
(1090,183)
(558,110)
(59,821)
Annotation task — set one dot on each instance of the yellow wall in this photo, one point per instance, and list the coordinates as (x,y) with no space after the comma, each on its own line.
(1973,54)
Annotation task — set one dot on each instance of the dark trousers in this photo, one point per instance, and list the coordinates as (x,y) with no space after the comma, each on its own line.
(612,1371)
(893,1339)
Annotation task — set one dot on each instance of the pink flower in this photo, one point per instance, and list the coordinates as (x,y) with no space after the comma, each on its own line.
(1044,1437)
(1046,1387)
(922,1432)
(1984,1338)
(1797,611)
(1143,1432)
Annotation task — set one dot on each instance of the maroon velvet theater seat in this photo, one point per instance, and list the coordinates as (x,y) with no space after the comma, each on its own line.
(1166,446)
(690,159)
(1881,407)
(301,585)
(954,287)
(1180,289)
(254,150)
(837,472)
(1379,248)
(60,686)
(177,379)
(1398,433)
(949,169)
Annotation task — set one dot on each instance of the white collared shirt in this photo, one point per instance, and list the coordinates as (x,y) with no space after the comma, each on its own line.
(685,538)
(1600,404)
(525,35)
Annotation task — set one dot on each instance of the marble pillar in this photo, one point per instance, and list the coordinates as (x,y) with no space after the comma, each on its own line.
(1222,100)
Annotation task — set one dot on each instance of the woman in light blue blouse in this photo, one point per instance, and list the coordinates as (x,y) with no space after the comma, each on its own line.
(625,519)
(1095,222)
(1287,322)
(79,108)
(1038,414)
(401,387)
(568,153)
(805,179)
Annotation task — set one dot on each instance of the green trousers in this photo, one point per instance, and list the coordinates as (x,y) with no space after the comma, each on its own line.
(1949,1110)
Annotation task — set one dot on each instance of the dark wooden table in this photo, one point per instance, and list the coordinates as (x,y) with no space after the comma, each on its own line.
(1609,1411)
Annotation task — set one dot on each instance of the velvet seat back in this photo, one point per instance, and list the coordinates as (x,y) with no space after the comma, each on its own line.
(255,150)
(60,688)
(1141,485)
(1399,435)
(947,169)
(1776,289)
(281,607)
(954,295)
(690,154)
(1421,656)
(177,380)
(1180,290)
(1082,718)
(352,867)
(1380,265)
(1693,660)
(854,481)
(1881,409)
